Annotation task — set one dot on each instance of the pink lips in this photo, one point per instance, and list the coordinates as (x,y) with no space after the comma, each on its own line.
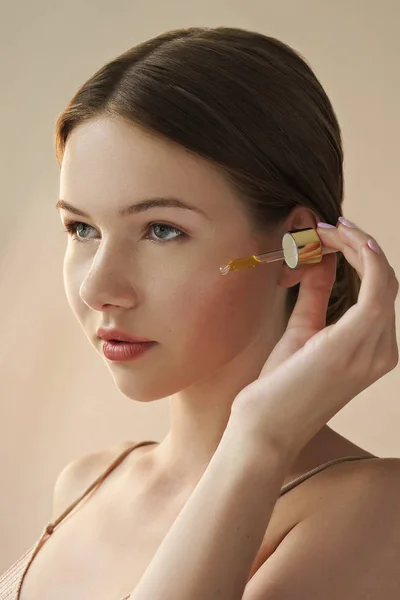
(120,346)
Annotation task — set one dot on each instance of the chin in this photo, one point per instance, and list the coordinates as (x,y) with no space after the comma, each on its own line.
(142,388)
(138,388)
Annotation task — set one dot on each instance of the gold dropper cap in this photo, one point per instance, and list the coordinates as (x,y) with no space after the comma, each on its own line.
(301,247)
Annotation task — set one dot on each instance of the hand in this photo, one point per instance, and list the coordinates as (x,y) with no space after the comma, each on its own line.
(314,370)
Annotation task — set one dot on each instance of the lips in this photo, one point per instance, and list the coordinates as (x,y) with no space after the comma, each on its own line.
(117,335)
(125,351)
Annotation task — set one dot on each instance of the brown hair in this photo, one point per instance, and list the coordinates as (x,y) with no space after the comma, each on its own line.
(245,101)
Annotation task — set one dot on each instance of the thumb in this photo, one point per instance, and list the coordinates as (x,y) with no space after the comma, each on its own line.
(309,314)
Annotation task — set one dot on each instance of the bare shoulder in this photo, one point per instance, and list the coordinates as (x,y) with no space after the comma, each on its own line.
(78,474)
(374,482)
(371,485)
(380,475)
(381,482)
(363,512)
(345,542)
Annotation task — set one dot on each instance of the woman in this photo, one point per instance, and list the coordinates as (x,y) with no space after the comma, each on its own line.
(193,148)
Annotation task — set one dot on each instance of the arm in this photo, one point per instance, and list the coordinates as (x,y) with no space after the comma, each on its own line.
(210,548)
(348,549)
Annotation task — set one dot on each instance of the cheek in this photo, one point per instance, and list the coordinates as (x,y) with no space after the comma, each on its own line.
(72,283)
(219,314)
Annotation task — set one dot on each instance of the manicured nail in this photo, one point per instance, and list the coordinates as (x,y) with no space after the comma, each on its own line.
(347,223)
(373,245)
(325,225)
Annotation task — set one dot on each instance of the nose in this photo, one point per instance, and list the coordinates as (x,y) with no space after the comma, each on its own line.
(108,283)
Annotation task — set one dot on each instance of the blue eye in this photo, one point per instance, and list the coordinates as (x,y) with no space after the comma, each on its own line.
(162,230)
(76,230)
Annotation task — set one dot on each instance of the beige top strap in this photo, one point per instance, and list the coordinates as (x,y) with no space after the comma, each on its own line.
(50,527)
(289,486)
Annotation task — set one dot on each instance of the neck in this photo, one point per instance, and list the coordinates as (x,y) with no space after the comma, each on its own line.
(199,414)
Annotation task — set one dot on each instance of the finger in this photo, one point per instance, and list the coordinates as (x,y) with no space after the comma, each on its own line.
(369,323)
(309,314)
(315,289)
(338,239)
(376,274)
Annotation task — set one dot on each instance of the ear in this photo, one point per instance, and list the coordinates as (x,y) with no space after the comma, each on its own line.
(289,277)
(301,217)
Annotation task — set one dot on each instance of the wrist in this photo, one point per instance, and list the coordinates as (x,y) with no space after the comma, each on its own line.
(255,449)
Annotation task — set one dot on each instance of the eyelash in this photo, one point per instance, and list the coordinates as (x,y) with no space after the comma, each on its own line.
(71,228)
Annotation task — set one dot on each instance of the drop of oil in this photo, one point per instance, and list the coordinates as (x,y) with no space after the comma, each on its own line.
(225,270)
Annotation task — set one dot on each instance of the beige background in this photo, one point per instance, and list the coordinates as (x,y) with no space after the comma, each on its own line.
(57,399)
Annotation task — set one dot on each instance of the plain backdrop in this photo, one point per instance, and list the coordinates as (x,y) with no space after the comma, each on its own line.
(57,398)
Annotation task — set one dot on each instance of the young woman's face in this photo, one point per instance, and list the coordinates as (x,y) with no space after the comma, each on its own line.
(154,273)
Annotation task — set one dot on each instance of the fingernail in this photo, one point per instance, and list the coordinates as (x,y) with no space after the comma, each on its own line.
(373,245)
(325,225)
(347,223)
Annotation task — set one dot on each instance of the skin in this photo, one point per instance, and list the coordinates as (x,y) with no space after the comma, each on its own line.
(172,292)
(214,336)
(312,373)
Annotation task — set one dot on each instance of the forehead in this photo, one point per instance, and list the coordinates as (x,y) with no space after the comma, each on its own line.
(110,158)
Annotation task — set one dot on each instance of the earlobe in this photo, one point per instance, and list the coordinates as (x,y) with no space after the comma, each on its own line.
(289,277)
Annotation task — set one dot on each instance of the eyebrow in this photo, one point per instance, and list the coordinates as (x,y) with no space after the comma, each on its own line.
(139,207)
